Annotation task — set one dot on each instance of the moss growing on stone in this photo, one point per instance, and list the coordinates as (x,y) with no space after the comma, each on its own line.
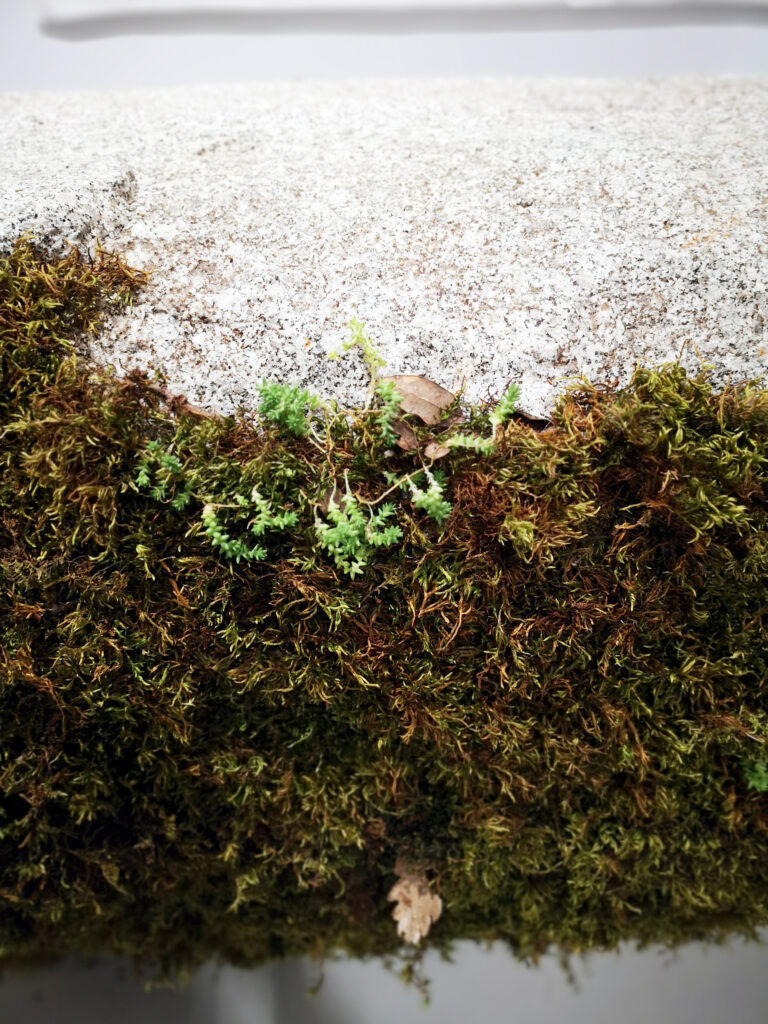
(552,697)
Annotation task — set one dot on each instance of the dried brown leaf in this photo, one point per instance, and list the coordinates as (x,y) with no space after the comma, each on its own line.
(421,396)
(417,906)
(434,450)
(537,422)
(406,438)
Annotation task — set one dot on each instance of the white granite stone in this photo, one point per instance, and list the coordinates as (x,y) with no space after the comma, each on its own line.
(489,230)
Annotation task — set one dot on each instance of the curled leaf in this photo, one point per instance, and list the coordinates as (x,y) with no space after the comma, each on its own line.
(422,397)
(406,438)
(417,906)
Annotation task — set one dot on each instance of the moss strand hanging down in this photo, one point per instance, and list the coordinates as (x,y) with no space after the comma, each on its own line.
(247,663)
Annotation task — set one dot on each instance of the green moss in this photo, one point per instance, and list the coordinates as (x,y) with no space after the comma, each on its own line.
(757,776)
(546,693)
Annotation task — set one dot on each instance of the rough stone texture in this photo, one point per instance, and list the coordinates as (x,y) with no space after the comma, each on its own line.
(494,230)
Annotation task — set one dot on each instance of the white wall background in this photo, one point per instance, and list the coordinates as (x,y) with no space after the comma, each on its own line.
(699,985)
(623,45)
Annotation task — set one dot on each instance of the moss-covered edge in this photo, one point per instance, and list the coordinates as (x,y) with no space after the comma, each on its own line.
(247,662)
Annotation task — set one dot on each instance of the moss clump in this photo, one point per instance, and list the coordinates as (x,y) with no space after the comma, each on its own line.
(549,691)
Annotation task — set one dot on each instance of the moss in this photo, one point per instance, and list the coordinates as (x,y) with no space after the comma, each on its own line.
(553,696)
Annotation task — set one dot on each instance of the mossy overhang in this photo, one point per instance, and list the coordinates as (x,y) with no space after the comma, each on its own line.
(553,703)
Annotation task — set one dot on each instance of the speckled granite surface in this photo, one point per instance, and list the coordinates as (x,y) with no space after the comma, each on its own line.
(488,230)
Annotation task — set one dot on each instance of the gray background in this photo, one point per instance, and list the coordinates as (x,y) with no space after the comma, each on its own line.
(705,985)
(696,985)
(659,46)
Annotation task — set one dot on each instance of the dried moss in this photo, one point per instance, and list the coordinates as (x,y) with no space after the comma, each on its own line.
(556,701)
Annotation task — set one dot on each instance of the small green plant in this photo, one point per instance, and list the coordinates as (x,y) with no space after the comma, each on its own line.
(485,445)
(506,406)
(432,500)
(286,406)
(266,519)
(757,776)
(359,339)
(385,392)
(228,546)
(390,399)
(353,536)
(482,445)
(161,470)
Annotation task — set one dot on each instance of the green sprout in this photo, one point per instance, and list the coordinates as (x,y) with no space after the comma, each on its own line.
(359,339)
(506,406)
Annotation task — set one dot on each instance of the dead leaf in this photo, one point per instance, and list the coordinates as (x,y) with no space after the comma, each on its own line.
(536,422)
(421,396)
(406,438)
(417,906)
(435,450)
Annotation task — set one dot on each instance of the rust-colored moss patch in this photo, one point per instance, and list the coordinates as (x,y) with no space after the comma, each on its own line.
(548,691)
